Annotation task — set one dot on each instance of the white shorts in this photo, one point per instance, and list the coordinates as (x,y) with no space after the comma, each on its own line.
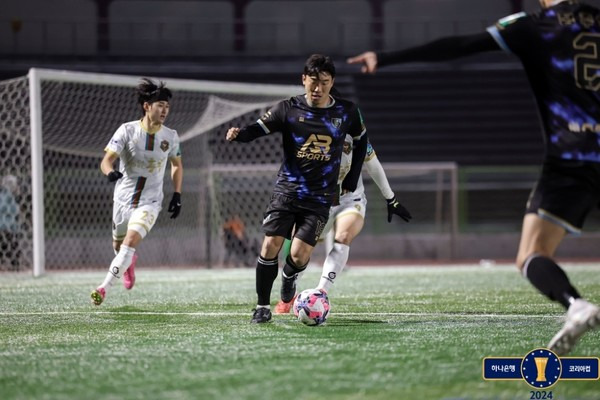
(140,219)
(350,203)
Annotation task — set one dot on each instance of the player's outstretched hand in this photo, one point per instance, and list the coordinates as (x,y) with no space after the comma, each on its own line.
(394,207)
(175,205)
(368,61)
(114,176)
(232,134)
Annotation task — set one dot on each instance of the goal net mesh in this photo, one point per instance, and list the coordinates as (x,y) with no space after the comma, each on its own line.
(226,185)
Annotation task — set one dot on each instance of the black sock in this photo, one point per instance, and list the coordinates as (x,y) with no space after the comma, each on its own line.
(290,269)
(266,272)
(551,280)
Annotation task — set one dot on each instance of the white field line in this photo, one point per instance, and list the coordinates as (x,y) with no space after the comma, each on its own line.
(237,314)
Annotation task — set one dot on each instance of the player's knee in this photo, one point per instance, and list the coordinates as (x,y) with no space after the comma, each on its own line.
(344,238)
(299,260)
(270,248)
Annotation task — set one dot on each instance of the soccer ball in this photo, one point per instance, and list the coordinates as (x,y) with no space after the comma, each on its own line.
(311,307)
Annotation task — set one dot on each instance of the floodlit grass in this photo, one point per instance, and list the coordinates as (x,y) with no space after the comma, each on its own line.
(394,333)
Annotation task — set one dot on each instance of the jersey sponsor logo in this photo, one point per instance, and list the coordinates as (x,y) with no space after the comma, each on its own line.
(316,148)
(337,122)
(587,127)
(164,145)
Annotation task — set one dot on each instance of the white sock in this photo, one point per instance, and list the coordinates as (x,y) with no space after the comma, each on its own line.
(334,264)
(118,266)
(268,306)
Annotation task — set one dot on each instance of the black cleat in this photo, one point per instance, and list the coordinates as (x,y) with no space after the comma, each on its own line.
(288,288)
(261,315)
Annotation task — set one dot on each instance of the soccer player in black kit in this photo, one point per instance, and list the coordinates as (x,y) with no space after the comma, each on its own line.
(559,47)
(313,126)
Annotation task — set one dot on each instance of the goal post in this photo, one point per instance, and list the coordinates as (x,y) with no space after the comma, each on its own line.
(54,126)
(72,115)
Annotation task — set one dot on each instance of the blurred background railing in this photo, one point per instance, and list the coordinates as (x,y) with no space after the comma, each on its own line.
(187,28)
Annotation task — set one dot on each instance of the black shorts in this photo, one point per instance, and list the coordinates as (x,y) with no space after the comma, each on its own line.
(285,212)
(566,192)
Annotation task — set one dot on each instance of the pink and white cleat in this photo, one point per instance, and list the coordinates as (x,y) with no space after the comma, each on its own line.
(129,275)
(284,308)
(98,296)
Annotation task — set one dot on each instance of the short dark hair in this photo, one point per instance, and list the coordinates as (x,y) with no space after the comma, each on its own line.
(149,92)
(318,63)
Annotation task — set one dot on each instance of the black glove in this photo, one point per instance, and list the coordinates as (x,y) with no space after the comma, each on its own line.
(394,207)
(175,205)
(114,176)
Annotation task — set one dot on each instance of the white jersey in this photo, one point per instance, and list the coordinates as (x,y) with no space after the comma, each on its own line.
(346,163)
(143,162)
(374,170)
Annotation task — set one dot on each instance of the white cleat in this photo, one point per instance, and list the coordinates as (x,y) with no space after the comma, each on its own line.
(582,316)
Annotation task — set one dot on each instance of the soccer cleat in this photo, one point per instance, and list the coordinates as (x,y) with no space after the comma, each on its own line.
(582,316)
(129,275)
(288,288)
(284,308)
(261,315)
(98,296)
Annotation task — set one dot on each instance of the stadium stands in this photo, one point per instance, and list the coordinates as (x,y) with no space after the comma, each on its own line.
(170,28)
(45,28)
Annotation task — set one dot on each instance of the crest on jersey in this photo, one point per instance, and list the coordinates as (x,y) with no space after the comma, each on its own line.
(164,145)
(337,122)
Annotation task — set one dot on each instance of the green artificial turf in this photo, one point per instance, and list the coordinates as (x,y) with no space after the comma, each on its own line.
(393,333)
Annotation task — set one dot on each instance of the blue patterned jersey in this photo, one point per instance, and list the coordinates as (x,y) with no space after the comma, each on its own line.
(560,51)
(313,140)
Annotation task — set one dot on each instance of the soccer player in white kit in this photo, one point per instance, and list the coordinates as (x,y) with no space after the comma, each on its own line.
(143,146)
(346,217)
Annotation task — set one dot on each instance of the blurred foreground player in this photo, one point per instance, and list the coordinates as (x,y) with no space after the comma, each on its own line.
(559,48)
(143,146)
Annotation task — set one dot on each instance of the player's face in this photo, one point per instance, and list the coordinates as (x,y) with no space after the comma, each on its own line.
(317,88)
(157,111)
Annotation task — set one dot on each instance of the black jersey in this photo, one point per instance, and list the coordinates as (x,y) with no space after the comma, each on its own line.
(560,51)
(313,139)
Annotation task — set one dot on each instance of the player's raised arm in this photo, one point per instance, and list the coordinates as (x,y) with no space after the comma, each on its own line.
(367,59)
(272,121)
(447,48)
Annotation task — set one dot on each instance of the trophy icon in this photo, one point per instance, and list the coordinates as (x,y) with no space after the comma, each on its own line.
(540,365)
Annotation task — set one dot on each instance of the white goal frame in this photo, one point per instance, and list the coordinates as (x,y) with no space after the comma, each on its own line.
(35,78)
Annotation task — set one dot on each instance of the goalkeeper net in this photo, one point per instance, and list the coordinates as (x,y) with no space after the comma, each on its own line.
(54,126)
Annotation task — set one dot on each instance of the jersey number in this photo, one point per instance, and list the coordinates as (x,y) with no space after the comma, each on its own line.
(587,61)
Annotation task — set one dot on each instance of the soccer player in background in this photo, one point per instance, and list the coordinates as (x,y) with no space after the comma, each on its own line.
(559,48)
(346,218)
(143,146)
(314,126)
